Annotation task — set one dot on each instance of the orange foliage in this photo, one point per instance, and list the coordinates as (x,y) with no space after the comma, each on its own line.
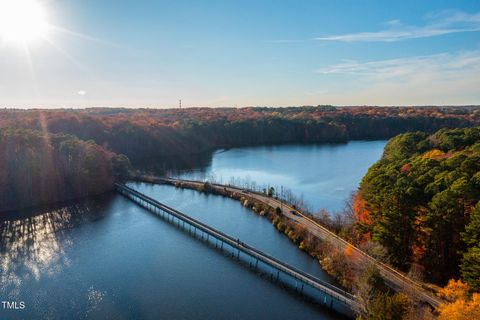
(405,169)
(417,252)
(435,154)
(360,211)
(421,234)
(459,306)
(361,214)
(454,290)
(461,309)
(348,251)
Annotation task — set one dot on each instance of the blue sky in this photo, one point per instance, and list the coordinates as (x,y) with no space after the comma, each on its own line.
(139,53)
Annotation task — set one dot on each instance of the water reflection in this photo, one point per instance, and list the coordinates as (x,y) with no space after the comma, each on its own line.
(114,260)
(107,258)
(33,242)
(175,164)
(322,176)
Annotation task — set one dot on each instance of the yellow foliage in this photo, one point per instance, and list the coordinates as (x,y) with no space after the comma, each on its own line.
(302,246)
(434,154)
(455,290)
(461,309)
(459,306)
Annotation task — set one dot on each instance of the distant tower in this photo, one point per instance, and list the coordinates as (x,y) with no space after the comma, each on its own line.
(180,103)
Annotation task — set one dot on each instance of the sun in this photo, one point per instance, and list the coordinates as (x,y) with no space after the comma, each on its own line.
(22,20)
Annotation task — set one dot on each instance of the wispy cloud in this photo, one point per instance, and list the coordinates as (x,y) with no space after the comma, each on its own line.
(441,64)
(447,78)
(441,23)
(392,36)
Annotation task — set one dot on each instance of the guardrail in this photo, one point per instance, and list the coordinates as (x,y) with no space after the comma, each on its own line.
(387,271)
(334,292)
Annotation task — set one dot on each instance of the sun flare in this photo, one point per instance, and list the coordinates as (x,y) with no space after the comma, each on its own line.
(22,20)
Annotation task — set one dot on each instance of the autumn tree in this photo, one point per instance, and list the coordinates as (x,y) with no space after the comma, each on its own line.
(39,168)
(459,305)
(418,201)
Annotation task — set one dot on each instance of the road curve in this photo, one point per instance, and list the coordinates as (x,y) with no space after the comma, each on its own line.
(396,279)
(334,292)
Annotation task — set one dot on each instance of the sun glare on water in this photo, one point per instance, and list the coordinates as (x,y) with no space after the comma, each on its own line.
(22,20)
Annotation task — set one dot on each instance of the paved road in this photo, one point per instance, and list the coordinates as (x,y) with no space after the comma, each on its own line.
(393,277)
(334,292)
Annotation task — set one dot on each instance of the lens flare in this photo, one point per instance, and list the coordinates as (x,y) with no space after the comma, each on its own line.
(22,20)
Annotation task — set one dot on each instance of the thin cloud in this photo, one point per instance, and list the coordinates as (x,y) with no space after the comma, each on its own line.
(441,64)
(392,36)
(443,23)
(446,78)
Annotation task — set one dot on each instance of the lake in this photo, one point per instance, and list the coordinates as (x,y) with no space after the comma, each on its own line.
(323,175)
(105,257)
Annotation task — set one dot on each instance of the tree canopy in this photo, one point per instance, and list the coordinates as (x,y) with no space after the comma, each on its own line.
(145,134)
(40,168)
(421,202)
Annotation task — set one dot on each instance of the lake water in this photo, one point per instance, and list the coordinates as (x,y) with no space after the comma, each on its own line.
(323,175)
(105,257)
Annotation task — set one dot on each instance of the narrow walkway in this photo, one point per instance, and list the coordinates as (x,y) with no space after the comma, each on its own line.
(301,278)
(397,280)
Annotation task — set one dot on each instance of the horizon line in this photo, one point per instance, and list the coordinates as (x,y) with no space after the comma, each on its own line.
(244,107)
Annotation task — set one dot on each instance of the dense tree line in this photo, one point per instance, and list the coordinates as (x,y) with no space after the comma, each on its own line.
(147,134)
(70,151)
(421,202)
(40,168)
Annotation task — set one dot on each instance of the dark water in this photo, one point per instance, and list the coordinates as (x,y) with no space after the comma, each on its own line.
(323,175)
(106,258)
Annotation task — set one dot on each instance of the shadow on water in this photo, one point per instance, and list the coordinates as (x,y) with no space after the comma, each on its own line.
(175,164)
(30,240)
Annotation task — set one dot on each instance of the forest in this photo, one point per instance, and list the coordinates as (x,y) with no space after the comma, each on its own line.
(48,155)
(144,135)
(38,168)
(420,201)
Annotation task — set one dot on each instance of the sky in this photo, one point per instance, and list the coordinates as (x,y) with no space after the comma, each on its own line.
(152,53)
